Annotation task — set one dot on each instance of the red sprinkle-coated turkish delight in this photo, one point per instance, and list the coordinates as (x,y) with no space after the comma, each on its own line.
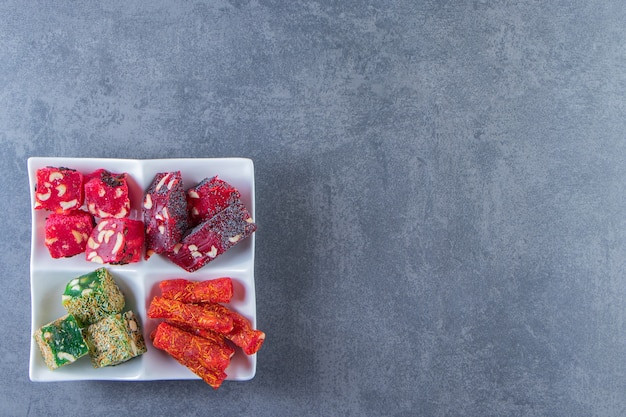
(116,241)
(213,237)
(203,357)
(58,189)
(67,234)
(106,194)
(215,337)
(242,334)
(165,212)
(194,315)
(208,198)
(218,290)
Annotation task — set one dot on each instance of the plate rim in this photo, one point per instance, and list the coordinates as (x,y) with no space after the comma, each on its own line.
(33,162)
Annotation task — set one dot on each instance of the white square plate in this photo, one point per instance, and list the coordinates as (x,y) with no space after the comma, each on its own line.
(139,281)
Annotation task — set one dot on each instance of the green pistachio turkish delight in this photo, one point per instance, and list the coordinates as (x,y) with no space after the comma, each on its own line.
(61,342)
(92,297)
(114,339)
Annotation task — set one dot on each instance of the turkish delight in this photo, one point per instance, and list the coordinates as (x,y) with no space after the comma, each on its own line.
(67,234)
(242,333)
(164,212)
(106,194)
(191,314)
(92,296)
(208,198)
(213,237)
(213,336)
(218,290)
(202,356)
(58,189)
(116,241)
(114,339)
(61,342)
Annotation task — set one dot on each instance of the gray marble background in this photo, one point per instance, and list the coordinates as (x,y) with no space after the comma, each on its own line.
(441,192)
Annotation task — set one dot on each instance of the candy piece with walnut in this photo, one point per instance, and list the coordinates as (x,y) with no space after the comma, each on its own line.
(213,237)
(210,197)
(58,189)
(116,241)
(164,211)
(106,194)
(67,234)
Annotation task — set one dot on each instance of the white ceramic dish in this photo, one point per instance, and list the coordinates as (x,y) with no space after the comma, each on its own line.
(139,281)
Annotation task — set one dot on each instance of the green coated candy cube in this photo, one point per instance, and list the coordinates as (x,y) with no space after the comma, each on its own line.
(92,297)
(61,342)
(114,339)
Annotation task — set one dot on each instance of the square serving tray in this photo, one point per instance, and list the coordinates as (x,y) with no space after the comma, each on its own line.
(139,281)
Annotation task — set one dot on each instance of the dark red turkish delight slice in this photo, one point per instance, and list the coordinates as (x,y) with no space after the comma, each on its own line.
(58,189)
(106,194)
(116,241)
(208,198)
(67,234)
(213,237)
(165,212)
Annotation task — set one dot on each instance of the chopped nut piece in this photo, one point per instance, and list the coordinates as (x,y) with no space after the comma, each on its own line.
(55,176)
(91,244)
(119,241)
(77,236)
(160,183)
(97,259)
(66,205)
(61,189)
(107,235)
(44,197)
(148,202)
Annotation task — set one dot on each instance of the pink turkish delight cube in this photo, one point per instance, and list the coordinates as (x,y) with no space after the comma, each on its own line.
(106,194)
(58,189)
(116,241)
(67,234)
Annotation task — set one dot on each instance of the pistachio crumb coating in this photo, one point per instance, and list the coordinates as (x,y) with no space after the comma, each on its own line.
(93,296)
(114,339)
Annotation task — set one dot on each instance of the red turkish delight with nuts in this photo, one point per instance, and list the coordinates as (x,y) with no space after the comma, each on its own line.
(213,237)
(106,194)
(116,241)
(208,198)
(67,234)
(164,212)
(58,189)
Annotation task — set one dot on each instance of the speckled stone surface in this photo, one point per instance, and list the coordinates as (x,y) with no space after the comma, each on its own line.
(441,193)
